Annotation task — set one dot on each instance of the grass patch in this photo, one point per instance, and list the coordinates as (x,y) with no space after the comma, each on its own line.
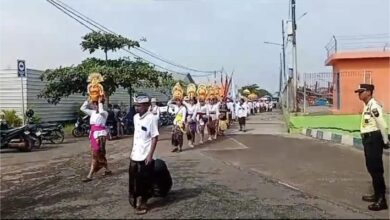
(68,127)
(342,124)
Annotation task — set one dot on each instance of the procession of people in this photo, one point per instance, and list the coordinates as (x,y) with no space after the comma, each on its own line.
(202,110)
(199,110)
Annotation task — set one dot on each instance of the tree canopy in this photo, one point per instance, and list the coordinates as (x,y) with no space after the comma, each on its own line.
(106,42)
(124,72)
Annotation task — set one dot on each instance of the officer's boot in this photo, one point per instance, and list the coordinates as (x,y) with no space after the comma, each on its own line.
(369,198)
(380,204)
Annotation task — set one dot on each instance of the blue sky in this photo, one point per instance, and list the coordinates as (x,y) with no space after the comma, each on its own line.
(203,34)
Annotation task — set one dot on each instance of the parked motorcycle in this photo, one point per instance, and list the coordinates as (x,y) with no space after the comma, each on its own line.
(53,133)
(33,130)
(164,119)
(36,134)
(111,130)
(17,138)
(82,127)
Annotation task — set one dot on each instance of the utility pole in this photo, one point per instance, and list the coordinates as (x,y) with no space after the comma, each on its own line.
(284,52)
(295,65)
(280,76)
(284,68)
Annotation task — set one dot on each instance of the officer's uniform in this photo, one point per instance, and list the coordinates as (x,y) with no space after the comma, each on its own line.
(373,130)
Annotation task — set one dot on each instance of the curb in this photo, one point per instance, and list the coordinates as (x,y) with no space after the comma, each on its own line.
(336,138)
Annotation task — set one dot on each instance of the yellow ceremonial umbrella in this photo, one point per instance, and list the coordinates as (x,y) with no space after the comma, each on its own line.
(246,92)
(252,96)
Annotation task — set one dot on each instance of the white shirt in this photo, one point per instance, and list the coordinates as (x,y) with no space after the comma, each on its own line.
(213,110)
(242,110)
(249,105)
(155,111)
(373,120)
(191,109)
(145,128)
(230,106)
(203,110)
(95,118)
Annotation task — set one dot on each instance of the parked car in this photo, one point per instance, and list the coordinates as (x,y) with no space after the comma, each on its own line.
(321,102)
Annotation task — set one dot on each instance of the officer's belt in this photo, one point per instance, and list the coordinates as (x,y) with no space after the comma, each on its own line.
(369,134)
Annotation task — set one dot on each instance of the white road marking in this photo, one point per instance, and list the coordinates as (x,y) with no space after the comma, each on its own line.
(279,182)
(240,147)
(229,148)
(288,185)
(239,143)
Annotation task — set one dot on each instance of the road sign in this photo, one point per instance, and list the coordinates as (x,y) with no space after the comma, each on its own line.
(21,68)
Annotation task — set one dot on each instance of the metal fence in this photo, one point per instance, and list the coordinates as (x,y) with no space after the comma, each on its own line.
(358,42)
(316,94)
(325,92)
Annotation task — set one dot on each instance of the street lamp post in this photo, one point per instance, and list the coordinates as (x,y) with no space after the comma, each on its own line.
(283,55)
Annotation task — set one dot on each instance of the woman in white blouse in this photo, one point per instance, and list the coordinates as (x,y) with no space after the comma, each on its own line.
(201,117)
(178,125)
(97,136)
(191,120)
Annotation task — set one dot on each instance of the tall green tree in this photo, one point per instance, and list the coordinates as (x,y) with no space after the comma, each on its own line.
(106,42)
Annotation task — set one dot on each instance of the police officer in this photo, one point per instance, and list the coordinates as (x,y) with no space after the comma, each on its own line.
(374,134)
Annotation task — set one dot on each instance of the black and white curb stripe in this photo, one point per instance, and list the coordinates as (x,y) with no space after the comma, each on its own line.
(336,138)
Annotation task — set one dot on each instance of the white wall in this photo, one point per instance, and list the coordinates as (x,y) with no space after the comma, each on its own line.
(10,97)
(10,91)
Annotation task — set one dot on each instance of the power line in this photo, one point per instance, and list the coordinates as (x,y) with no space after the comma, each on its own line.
(88,27)
(54,4)
(105,29)
(135,55)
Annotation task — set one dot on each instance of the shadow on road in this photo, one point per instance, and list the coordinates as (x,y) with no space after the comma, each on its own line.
(175,196)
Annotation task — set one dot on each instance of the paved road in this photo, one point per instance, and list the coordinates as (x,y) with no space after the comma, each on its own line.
(238,176)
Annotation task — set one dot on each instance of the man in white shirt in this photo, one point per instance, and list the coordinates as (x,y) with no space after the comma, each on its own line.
(230,106)
(257,106)
(267,106)
(212,124)
(270,106)
(154,109)
(141,158)
(242,113)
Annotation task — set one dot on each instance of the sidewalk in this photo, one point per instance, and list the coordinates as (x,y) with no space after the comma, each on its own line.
(345,139)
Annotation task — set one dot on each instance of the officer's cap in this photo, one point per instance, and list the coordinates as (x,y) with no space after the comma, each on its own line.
(365,87)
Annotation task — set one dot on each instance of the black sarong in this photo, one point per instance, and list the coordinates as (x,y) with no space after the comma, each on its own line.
(140,181)
(149,180)
(162,183)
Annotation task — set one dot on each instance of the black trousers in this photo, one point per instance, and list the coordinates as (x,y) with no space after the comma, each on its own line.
(241,121)
(140,181)
(373,150)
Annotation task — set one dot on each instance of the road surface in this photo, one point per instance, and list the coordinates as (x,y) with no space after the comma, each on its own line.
(264,173)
